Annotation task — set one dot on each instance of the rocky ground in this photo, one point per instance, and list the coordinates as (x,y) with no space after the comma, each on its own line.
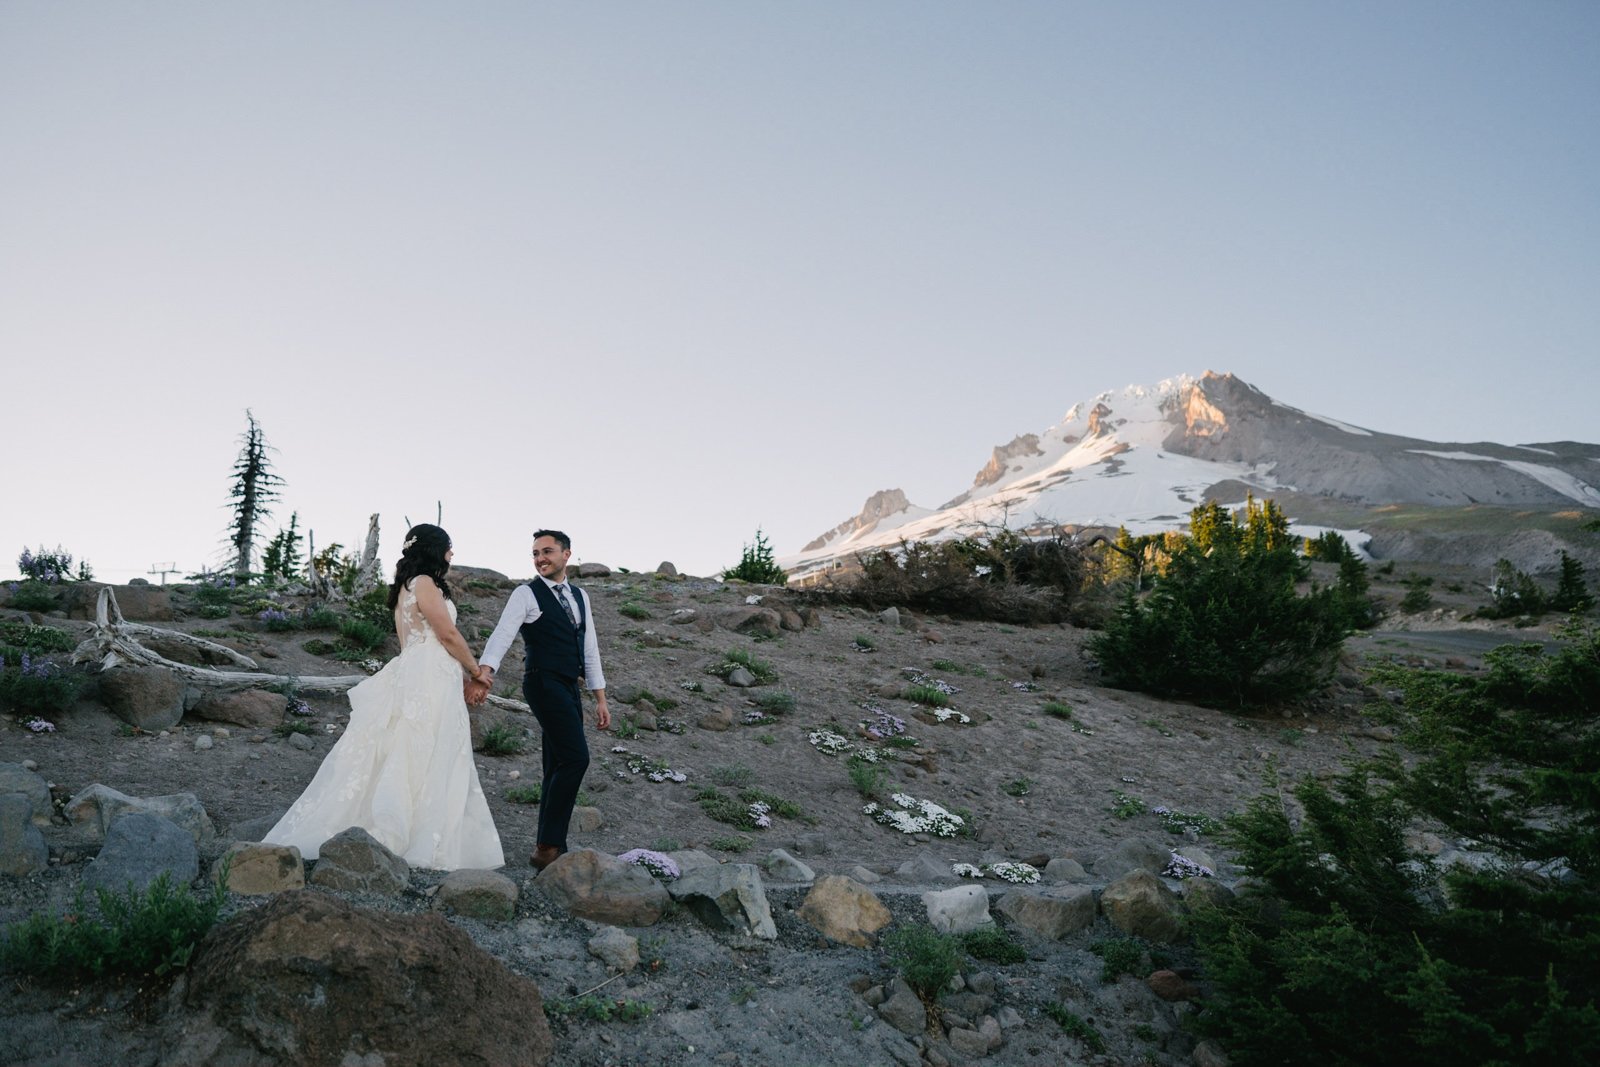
(1048,765)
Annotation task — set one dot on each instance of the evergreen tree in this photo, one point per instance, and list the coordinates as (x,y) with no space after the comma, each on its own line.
(282,557)
(254,488)
(757,564)
(1572,592)
(1266,527)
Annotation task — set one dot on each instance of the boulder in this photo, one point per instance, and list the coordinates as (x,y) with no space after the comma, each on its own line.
(250,708)
(1171,986)
(729,897)
(1051,913)
(139,848)
(15,778)
(94,808)
(594,885)
(586,820)
(667,569)
(690,858)
(354,860)
(1205,892)
(150,698)
(258,870)
(751,620)
(958,909)
(22,847)
(923,868)
(903,1009)
(1133,854)
(721,720)
(844,910)
(1139,904)
(889,616)
(782,867)
(741,678)
(1062,869)
(619,951)
(310,979)
(593,570)
(791,620)
(478,894)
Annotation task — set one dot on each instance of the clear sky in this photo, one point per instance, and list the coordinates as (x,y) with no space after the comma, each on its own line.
(660,272)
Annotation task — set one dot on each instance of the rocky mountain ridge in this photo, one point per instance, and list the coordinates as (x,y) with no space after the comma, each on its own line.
(1143,457)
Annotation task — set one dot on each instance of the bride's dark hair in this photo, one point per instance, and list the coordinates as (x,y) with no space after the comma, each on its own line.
(422,553)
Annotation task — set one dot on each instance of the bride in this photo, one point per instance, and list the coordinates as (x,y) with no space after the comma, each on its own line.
(403,770)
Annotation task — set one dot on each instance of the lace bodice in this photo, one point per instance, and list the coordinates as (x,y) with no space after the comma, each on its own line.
(409,622)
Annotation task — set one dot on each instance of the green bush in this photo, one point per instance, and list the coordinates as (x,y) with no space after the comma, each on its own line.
(1356,951)
(1417,599)
(775,703)
(993,944)
(26,637)
(503,740)
(1572,592)
(34,596)
(1513,593)
(36,684)
(927,959)
(525,794)
(130,933)
(923,693)
(757,564)
(1076,1026)
(362,635)
(739,657)
(1120,956)
(870,779)
(1225,626)
(634,610)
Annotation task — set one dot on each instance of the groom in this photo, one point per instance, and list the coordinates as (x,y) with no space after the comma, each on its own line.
(559,646)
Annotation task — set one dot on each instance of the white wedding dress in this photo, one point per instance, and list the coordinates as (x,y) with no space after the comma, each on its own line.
(403,770)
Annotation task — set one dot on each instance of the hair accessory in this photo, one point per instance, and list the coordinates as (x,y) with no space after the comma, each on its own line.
(408,544)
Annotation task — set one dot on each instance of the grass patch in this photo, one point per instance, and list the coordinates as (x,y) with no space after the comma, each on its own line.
(503,740)
(634,610)
(993,944)
(293,726)
(733,776)
(1018,787)
(927,959)
(926,694)
(1120,956)
(870,779)
(865,643)
(1124,806)
(1076,1026)
(775,703)
(730,844)
(762,670)
(1056,709)
(524,794)
(131,933)
(595,1009)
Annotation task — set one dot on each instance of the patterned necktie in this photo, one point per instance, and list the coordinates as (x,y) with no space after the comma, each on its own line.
(566,605)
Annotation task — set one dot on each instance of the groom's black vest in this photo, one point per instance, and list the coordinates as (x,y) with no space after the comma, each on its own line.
(551,643)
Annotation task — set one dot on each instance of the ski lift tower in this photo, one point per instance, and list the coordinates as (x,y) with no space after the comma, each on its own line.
(164,569)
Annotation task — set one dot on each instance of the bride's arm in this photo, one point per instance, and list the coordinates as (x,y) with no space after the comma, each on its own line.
(431,603)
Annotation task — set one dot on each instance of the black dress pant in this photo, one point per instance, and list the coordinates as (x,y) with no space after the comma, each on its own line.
(559,709)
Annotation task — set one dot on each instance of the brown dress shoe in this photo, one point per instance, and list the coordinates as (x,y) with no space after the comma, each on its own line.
(544,856)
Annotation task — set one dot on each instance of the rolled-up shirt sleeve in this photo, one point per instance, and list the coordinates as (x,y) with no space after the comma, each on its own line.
(593,676)
(520,608)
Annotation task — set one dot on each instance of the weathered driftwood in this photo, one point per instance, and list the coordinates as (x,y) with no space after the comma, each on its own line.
(369,573)
(115,641)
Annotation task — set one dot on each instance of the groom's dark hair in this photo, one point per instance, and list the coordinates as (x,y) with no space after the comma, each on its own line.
(561,538)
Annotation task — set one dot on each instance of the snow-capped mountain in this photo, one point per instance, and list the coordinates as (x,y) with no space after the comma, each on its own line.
(1144,457)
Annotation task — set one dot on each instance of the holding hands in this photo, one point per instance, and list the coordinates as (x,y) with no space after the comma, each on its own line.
(476,688)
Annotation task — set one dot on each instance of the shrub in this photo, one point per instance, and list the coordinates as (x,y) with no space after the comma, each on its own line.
(50,567)
(362,635)
(1076,1026)
(293,726)
(738,657)
(775,703)
(1513,593)
(373,609)
(1572,592)
(1225,626)
(1357,951)
(634,610)
(994,944)
(33,596)
(1417,598)
(503,740)
(757,564)
(130,933)
(733,776)
(870,779)
(524,794)
(998,578)
(318,647)
(1057,709)
(30,683)
(923,693)
(1120,956)
(927,959)
(26,637)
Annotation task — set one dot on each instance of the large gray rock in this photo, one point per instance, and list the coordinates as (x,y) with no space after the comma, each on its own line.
(958,909)
(1050,913)
(689,858)
(923,868)
(254,829)
(594,885)
(730,897)
(903,1009)
(754,621)
(256,708)
(309,979)
(259,870)
(478,894)
(844,910)
(354,860)
(15,778)
(782,867)
(1139,904)
(1064,869)
(94,808)
(1133,854)
(22,847)
(139,848)
(619,951)
(150,698)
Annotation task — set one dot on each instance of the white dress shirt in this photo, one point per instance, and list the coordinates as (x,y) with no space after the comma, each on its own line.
(523,608)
